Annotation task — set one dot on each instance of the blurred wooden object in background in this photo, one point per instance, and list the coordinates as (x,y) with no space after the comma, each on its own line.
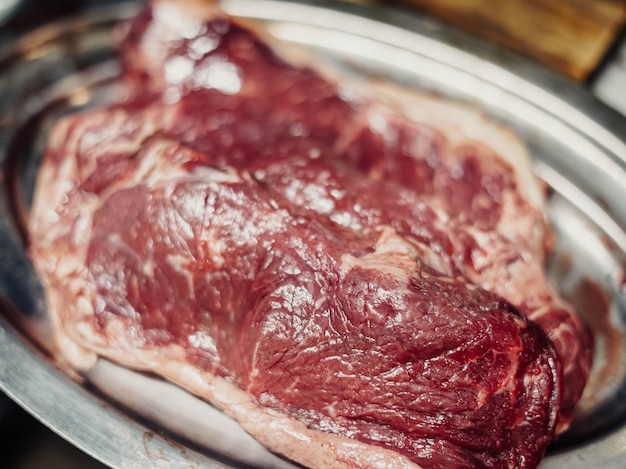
(569,36)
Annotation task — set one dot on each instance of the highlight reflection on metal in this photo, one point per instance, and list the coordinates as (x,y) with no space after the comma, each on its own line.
(576,143)
(7,8)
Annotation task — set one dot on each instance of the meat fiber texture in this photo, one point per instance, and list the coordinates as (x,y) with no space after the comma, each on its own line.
(352,272)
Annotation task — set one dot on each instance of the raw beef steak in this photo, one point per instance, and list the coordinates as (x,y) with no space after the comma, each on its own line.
(351,279)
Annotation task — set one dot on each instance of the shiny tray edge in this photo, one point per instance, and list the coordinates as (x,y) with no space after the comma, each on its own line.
(21,375)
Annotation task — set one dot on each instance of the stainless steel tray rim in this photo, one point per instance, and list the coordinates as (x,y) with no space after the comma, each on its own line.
(587,123)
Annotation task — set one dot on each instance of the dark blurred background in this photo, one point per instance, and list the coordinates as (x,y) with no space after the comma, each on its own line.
(27,444)
(19,15)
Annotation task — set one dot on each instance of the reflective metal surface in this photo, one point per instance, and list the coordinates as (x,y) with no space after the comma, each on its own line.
(7,8)
(578,145)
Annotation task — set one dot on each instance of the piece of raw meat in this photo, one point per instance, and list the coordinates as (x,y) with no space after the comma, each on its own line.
(476,173)
(302,261)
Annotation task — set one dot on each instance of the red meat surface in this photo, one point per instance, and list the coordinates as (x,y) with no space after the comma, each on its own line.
(357,287)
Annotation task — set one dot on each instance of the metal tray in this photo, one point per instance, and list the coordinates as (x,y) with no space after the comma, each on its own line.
(127,419)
